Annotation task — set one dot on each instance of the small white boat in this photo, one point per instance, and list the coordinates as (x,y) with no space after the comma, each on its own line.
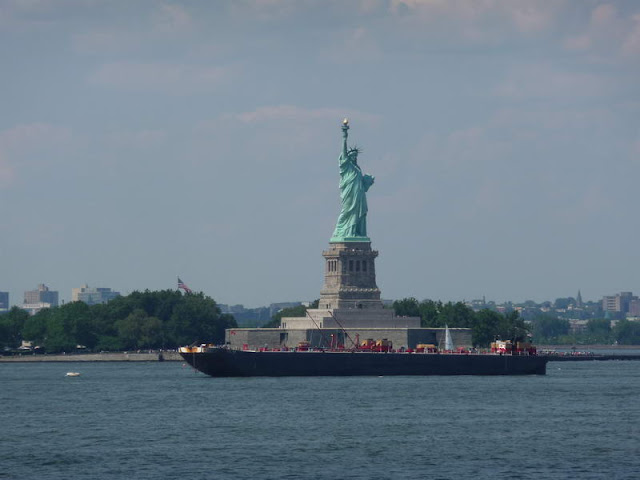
(72,374)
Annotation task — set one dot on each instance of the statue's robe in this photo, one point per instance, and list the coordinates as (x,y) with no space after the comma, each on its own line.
(352,221)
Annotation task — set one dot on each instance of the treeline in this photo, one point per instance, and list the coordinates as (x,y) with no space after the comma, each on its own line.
(549,329)
(142,320)
(486,325)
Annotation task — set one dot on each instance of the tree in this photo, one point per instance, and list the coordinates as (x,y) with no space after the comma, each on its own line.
(563,303)
(152,334)
(130,328)
(429,313)
(78,315)
(11,326)
(598,330)
(548,327)
(486,327)
(627,333)
(407,307)
(514,327)
(35,328)
(59,335)
(197,318)
(455,315)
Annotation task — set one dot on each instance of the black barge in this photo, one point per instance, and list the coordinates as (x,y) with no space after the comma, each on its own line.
(226,362)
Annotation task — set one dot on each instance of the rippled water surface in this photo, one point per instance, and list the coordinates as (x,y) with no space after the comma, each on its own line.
(162,420)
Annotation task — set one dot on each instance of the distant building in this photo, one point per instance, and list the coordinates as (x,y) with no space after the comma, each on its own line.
(619,303)
(577,325)
(4,301)
(34,308)
(634,307)
(232,309)
(41,295)
(92,296)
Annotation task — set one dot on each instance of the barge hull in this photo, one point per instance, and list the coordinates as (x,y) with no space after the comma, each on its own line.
(222,362)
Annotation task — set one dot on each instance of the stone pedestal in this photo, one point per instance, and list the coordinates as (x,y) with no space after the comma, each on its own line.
(350,277)
(350,297)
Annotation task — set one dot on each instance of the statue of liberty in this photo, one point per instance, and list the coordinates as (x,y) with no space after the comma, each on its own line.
(352,222)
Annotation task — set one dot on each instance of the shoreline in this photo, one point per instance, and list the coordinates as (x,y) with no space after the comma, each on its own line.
(589,347)
(95,357)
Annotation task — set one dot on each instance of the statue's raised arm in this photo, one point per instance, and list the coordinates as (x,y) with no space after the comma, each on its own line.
(345,134)
(352,222)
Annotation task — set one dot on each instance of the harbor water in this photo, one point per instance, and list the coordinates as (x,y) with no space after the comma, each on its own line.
(163,420)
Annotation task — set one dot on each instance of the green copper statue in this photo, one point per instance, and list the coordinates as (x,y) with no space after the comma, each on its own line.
(352,222)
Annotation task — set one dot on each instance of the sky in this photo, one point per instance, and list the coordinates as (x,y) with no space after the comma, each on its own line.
(142,141)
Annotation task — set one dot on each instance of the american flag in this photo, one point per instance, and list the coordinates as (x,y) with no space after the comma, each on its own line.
(183,286)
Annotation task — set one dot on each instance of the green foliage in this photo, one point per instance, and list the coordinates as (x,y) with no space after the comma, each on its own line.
(563,303)
(599,327)
(548,328)
(35,327)
(456,314)
(11,326)
(429,313)
(158,319)
(486,325)
(627,333)
(407,307)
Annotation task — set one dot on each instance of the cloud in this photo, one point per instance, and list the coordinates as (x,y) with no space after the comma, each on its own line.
(159,77)
(607,34)
(171,18)
(525,16)
(17,14)
(33,136)
(631,45)
(603,15)
(168,24)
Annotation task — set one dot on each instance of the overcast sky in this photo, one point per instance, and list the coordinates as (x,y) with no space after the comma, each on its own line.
(141,141)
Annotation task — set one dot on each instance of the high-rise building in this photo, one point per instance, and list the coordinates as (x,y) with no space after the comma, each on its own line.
(619,303)
(634,307)
(4,301)
(41,295)
(92,296)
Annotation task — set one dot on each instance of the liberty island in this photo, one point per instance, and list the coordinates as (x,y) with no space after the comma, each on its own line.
(328,341)
(350,304)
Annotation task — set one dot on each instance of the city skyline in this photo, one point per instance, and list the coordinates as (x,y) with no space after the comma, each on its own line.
(142,141)
(612,298)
